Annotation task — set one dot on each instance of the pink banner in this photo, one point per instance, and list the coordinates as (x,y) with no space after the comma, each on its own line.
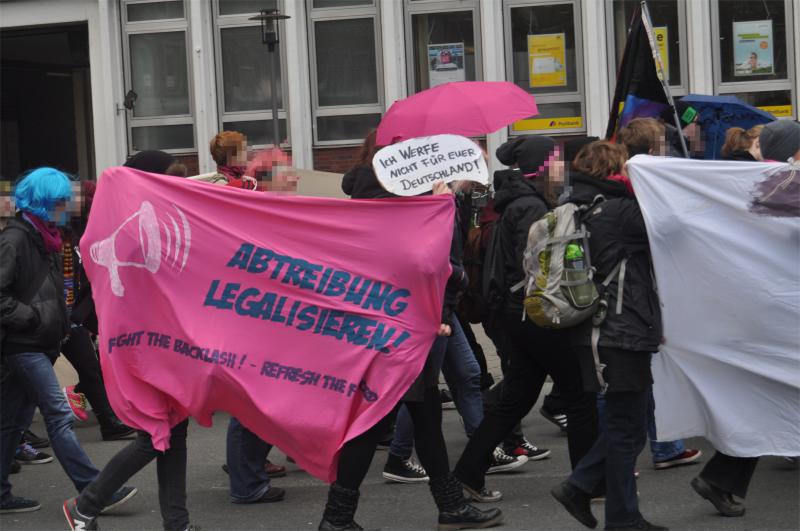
(306,318)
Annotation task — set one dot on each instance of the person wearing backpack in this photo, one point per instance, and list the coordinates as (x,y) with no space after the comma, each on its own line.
(532,353)
(615,345)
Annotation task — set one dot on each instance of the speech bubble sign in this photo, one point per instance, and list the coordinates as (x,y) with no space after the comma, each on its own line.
(412,167)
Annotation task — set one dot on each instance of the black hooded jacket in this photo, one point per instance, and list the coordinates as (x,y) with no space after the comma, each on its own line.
(519,204)
(31,321)
(617,231)
(362,183)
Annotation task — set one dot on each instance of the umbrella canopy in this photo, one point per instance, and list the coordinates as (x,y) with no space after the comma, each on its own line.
(717,114)
(467,108)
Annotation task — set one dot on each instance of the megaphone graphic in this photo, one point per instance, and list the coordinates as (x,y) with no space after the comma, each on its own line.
(146,249)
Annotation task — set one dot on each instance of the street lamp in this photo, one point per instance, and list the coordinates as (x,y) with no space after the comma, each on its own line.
(269,35)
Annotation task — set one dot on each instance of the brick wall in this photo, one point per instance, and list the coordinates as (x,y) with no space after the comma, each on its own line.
(336,160)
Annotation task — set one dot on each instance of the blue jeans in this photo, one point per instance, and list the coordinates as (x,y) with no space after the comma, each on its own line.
(463,376)
(246,455)
(660,450)
(31,381)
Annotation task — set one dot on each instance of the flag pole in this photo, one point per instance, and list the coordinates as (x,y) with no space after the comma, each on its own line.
(648,29)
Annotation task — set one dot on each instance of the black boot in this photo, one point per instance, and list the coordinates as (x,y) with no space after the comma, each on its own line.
(112,429)
(454,511)
(340,509)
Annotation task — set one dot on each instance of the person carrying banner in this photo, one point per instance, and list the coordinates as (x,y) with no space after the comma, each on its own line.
(82,512)
(742,144)
(726,476)
(422,400)
(629,332)
(34,323)
(532,353)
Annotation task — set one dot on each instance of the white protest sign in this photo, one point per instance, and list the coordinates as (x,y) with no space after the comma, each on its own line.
(412,167)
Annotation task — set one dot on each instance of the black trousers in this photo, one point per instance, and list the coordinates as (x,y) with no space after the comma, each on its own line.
(477,350)
(356,455)
(171,470)
(80,352)
(730,474)
(494,330)
(533,353)
(613,457)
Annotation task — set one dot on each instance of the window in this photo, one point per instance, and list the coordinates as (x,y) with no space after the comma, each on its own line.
(157,70)
(441,40)
(244,71)
(346,73)
(754,52)
(543,56)
(669,24)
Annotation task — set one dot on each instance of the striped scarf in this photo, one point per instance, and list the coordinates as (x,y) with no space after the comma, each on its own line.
(69,274)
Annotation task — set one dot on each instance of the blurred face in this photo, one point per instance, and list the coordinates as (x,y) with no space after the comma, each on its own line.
(240,157)
(755,149)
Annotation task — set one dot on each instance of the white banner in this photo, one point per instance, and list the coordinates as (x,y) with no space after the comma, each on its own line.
(412,167)
(725,239)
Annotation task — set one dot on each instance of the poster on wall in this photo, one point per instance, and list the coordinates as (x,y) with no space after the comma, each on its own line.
(445,63)
(752,48)
(547,60)
(661,34)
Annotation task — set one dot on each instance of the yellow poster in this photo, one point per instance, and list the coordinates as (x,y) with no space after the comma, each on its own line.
(547,60)
(779,111)
(661,34)
(538,124)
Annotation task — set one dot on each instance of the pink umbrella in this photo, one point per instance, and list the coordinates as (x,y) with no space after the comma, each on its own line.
(468,108)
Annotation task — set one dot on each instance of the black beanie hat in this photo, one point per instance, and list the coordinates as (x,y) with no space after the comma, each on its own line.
(151,161)
(573,147)
(780,140)
(528,152)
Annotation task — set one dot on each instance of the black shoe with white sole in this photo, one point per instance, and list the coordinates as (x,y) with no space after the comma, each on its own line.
(502,462)
(16,504)
(121,497)
(483,495)
(404,470)
(469,517)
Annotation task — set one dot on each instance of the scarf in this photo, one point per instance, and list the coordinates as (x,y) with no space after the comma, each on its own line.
(69,274)
(234,175)
(49,232)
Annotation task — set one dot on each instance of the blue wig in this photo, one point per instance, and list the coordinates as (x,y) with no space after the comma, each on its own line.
(39,190)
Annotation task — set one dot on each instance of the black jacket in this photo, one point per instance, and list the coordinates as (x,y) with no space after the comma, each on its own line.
(40,324)
(519,204)
(617,231)
(362,183)
(739,155)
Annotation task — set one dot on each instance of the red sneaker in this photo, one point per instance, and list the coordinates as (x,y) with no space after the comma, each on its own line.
(77,403)
(688,456)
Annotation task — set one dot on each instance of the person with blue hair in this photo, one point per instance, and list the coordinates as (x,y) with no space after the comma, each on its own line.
(34,323)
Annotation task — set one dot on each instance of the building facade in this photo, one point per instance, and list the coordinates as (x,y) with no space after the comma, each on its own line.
(88,82)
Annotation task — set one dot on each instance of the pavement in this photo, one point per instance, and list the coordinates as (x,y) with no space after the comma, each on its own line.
(666,498)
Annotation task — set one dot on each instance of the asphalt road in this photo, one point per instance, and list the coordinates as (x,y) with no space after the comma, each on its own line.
(665,496)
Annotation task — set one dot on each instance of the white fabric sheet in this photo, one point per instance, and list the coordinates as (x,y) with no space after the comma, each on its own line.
(729,283)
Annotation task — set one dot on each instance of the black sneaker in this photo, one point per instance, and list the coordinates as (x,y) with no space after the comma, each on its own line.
(76,520)
(576,502)
(34,440)
(273,494)
(28,455)
(528,449)
(447,399)
(404,470)
(502,462)
(483,495)
(559,419)
(116,430)
(325,525)
(120,497)
(469,517)
(16,504)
